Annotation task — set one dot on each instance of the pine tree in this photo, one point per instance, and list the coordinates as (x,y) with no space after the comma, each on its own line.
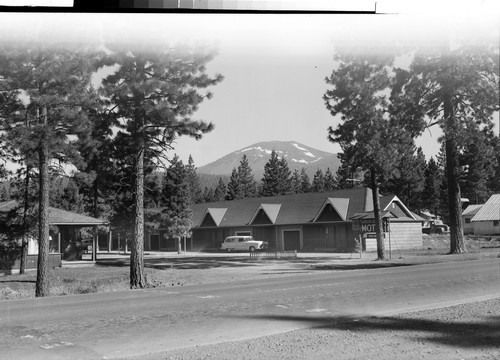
(457,87)
(431,199)
(305,183)
(208,195)
(233,187)
(65,195)
(220,191)
(285,181)
(247,184)
(318,184)
(367,135)
(296,182)
(55,82)
(330,182)
(408,176)
(478,163)
(271,181)
(176,217)
(154,93)
(194,182)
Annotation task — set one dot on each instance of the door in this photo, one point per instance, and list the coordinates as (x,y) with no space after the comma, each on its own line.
(291,240)
(154,239)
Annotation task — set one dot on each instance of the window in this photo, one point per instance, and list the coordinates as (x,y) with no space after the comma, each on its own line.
(496,222)
(467,220)
(243,233)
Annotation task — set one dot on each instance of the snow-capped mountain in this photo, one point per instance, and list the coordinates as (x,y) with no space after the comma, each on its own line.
(298,156)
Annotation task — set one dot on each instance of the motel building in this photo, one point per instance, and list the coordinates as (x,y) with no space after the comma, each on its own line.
(312,222)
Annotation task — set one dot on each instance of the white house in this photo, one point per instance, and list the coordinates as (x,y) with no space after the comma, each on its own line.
(486,220)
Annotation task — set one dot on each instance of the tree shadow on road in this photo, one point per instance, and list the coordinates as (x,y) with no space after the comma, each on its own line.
(359,266)
(482,333)
(183,263)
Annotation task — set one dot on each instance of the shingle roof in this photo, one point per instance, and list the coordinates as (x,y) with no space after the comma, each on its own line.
(490,210)
(56,216)
(63,217)
(294,209)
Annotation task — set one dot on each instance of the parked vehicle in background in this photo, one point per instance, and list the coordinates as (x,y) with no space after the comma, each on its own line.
(243,243)
(435,227)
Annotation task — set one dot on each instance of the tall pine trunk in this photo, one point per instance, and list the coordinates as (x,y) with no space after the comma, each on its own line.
(137,278)
(42,279)
(24,243)
(377,215)
(452,165)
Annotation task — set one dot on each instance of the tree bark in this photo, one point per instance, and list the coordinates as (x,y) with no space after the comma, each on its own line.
(137,277)
(24,243)
(42,280)
(377,215)
(452,165)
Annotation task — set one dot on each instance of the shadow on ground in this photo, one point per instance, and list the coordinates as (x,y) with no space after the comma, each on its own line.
(184,263)
(479,334)
(204,263)
(359,266)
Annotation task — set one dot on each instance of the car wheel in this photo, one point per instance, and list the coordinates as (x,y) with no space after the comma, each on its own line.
(251,249)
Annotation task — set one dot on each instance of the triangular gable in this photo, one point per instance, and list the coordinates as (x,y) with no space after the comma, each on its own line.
(270,210)
(213,217)
(396,201)
(340,205)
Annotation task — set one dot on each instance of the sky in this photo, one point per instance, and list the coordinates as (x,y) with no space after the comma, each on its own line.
(274,65)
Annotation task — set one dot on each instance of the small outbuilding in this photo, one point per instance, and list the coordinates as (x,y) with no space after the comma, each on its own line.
(483,219)
(71,234)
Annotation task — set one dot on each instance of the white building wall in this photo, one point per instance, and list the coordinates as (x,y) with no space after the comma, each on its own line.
(485,228)
(405,235)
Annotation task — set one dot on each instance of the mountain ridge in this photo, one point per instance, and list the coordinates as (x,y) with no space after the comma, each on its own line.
(298,156)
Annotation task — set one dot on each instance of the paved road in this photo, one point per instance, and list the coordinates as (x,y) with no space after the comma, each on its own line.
(122,324)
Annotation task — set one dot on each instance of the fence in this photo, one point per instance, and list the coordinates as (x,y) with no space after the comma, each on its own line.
(273,254)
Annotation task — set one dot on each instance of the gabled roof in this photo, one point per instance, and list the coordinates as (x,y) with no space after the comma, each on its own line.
(56,216)
(217,215)
(271,210)
(387,201)
(490,210)
(472,210)
(294,208)
(340,205)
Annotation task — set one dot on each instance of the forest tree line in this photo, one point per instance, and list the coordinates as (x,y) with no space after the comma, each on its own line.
(419,183)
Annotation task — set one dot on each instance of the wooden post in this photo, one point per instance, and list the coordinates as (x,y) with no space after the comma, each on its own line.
(94,243)
(59,241)
(110,238)
(119,243)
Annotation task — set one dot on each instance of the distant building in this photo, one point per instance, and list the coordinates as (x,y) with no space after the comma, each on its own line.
(467,215)
(328,221)
(65,233)
(483,219)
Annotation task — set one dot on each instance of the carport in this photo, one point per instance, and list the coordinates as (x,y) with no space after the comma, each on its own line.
(66,232)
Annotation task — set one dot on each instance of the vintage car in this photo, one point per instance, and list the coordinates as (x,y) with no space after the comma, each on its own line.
(243,243)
